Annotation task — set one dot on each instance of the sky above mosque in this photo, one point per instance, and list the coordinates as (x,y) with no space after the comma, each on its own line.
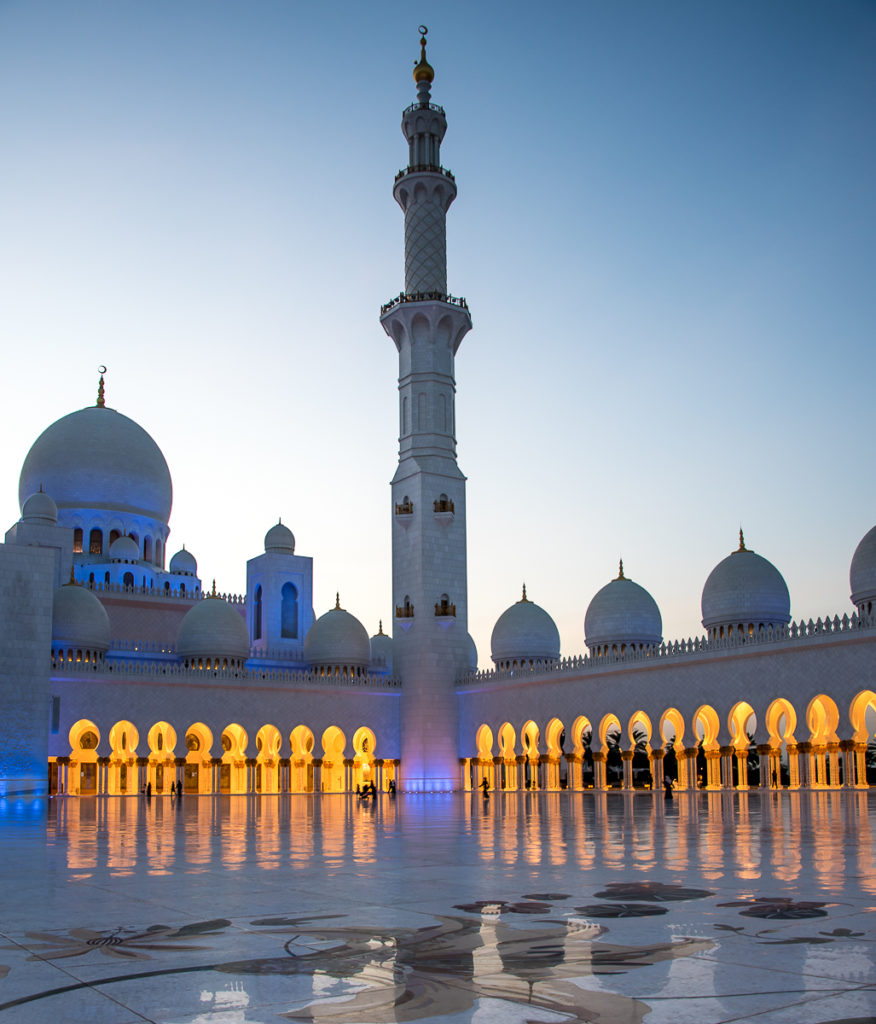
(665,232)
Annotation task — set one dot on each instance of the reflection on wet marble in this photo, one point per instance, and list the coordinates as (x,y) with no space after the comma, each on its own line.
(530,907)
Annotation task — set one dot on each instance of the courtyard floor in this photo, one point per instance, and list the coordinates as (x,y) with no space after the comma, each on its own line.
(443,908)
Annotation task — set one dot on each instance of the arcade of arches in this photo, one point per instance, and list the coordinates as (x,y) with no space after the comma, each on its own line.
(815,747)
(161,758)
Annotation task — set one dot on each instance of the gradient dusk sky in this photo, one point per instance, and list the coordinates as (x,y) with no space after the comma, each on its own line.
(665,231)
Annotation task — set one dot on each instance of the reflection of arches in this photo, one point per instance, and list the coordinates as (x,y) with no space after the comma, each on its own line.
(198,770)
(333,744)
(301,761)
(232,770)
(289,612)
(160,771)
(122,769)
(267,768)
(364,742)
(84,739)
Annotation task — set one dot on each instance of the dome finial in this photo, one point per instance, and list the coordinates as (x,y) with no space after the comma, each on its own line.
(423,72)
(380,628)
(620,571)
(337,600)
(72,581)
(101,404)
(213,592)
(524,599)
(742,546)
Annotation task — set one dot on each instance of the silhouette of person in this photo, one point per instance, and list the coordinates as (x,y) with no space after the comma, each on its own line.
(667,786)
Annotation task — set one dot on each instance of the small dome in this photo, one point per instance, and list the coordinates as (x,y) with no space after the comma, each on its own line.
(745,590)
(97,458)
(39,508)
(184,563)
(279,540)
(213,629)
(471,653)
(124,549)
(335,639)
(525,632)
(622,614)
(79,620)
(381,651)
(862,574)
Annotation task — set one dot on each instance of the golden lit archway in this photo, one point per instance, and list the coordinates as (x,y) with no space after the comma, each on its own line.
(333,769)
(122,770)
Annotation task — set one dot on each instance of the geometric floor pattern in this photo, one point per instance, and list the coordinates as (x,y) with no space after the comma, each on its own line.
(519,908)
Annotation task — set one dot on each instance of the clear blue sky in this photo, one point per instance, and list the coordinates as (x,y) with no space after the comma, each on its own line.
(665,230)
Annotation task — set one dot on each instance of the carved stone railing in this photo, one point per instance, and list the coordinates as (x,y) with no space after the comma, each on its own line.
(420,168)
(423,106)
(402,297)
(802,631)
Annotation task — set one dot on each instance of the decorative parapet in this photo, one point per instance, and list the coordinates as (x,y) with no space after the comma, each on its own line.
(794,632)
(404,611)
(445,608)
(404,508)
(451,300)
(165,672)
(160,594)
(423,106)
(443,505)
(421,168)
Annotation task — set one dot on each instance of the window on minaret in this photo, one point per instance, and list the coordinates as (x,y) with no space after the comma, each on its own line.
(114,536)
(289,612)
(77,541)
(404,418)
(444,413)
(128,580)
(95,542)
(257,614)
(147,549)
(421,411)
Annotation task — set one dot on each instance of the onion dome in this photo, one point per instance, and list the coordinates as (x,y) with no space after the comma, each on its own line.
(279,540)
(744,592)
(124,549)
(39,508)
(621,616)
(212,631)
(337,641)
(862,574)
(381,651)
(423,71)
(471,650)
(79,622)
(524,634)
(184,563)
(97,458)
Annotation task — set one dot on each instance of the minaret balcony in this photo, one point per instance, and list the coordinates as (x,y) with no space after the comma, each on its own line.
(444,511)
(425,105)
(421,168)
(404,508)
(445,612)
(403,297)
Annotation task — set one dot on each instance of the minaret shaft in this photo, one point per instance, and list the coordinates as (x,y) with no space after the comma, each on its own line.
(431,643)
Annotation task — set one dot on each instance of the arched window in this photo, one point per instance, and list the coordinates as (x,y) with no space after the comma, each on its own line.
(289,612)
(95,542)
(114,536)
(77,541)
(128,580)
(159,554)
(257,614)
(147,549)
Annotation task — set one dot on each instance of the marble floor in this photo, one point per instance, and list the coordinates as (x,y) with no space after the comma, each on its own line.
(445,908)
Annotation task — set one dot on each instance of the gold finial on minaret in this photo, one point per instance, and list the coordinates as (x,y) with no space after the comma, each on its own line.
(524,599)
(742,546)
(337,600)
(214,594)
(72,581)
(620,571)
(423,72)
(101,404)
(380,629)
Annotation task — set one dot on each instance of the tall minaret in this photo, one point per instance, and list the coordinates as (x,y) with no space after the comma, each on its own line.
(431,644)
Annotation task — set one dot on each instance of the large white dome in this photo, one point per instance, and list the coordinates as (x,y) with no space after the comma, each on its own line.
(622,614)
(213,629)
(79,620)
(745,590)
(97,458)
(524,633)
(862,574)
(337,639)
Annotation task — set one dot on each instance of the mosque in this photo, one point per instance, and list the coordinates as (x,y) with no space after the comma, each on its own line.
(120,669)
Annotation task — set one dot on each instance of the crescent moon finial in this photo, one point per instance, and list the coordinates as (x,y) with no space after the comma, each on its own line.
(101,403)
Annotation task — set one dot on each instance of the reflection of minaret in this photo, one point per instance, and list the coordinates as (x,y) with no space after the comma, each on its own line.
(429,583)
